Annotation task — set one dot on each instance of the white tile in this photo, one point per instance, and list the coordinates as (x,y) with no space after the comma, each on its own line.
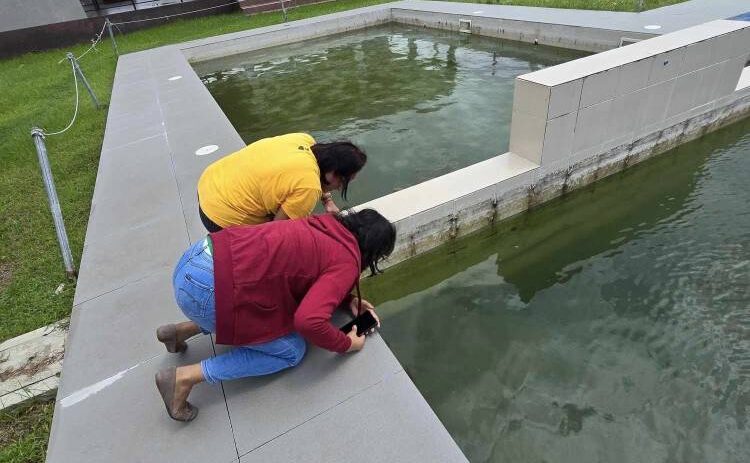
(591,126)
(683,95)
(710,78)
(624,117)
(722,48)
(531,98)
(730,76)
(699,55)
(744,79)
(599,87)
(558,139)
(655,105)
(565,98)
(740,42)
(527,136)
(634,76)
(666,66)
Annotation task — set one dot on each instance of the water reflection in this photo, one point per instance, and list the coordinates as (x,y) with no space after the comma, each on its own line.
(422,103)
(611,326)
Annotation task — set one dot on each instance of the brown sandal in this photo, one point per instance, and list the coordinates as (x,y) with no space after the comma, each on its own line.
(167,334)
(166,380)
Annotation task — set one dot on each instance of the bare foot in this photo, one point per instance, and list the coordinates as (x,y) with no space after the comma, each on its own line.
(180,410)
(174,335)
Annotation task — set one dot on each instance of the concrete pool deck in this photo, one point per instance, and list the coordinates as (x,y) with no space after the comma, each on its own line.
(144,215)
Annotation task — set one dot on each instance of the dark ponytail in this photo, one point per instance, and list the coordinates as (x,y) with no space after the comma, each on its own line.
(343,158)
(376,236)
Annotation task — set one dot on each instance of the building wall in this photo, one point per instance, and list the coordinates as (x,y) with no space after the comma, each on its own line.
(18,14)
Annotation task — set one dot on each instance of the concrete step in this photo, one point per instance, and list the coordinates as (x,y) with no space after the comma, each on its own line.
(30,364)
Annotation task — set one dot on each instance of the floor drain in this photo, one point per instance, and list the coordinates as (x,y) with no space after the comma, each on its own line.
(175,78)
(208,149)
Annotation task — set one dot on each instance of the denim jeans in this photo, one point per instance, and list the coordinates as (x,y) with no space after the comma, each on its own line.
(193,282)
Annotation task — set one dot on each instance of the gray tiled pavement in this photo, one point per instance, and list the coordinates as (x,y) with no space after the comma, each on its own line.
(143,217)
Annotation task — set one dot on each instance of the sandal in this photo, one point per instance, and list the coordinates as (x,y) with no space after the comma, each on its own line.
(166,380)
(167,334)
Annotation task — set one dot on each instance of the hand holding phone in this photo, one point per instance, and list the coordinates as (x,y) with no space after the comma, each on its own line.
(365,322)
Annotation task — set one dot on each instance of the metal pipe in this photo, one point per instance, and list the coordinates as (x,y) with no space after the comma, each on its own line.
(73,60)
(54,204)
(112,37)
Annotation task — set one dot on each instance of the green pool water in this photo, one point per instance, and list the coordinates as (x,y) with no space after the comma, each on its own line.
(612,325)
(421,102)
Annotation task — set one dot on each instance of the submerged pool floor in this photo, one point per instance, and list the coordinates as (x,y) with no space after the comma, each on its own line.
(421,102)
(610,325)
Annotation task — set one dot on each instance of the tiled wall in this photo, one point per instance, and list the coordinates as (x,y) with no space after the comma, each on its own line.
(567,113)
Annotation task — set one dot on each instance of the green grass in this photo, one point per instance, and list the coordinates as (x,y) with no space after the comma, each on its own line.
(38,91)
(609,5)
(24,432)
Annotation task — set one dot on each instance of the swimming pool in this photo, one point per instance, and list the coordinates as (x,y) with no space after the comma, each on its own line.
(421,102)
(612,324)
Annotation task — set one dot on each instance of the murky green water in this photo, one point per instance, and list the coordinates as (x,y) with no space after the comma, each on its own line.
(421,102)
(610,326)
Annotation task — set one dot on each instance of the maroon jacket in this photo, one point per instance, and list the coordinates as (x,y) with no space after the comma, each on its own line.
(284,276)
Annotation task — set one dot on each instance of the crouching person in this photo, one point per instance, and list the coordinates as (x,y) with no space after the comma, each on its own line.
(266,290)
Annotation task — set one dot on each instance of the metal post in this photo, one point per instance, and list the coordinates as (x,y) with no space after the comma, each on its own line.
(112,37)
(283,10)
(73,60)
(54,204)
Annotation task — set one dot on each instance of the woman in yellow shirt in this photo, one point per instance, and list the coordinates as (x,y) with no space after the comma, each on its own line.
(276,178)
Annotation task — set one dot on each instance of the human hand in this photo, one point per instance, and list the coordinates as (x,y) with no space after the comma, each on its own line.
(358,342)
(353,306)
(330,206)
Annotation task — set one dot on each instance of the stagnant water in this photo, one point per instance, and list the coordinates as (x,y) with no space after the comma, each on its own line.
(421,102)
(612,325)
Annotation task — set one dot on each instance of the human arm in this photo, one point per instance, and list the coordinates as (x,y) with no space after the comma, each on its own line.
(299,203)
(328,204)
(313,316)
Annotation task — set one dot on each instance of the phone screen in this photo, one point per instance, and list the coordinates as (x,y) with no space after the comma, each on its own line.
(364,322)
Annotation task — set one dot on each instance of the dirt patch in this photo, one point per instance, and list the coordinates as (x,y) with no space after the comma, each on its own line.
(33,366)
(6,274)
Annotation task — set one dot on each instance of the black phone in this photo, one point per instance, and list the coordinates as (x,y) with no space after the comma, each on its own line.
(365,322)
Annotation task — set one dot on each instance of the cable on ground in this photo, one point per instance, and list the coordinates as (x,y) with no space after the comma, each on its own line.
(75,112)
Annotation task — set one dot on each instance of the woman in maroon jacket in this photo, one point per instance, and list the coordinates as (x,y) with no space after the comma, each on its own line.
(266,289)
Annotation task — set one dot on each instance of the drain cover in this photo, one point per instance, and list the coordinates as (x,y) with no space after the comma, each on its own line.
(208,149)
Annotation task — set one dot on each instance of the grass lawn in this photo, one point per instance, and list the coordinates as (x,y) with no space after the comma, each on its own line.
(24,432)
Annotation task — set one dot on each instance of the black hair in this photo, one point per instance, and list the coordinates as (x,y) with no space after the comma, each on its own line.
(343,158)
(376,236)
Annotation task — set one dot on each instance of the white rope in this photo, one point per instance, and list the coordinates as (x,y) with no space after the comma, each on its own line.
(94,42)
(75,113)
(177,14)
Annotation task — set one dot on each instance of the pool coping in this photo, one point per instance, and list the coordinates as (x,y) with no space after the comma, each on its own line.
(143,216)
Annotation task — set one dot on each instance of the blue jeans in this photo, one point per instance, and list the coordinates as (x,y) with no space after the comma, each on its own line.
(193,282)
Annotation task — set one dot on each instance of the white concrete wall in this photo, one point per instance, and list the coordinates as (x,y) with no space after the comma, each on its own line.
(576,110)
(559,35)
(19,14)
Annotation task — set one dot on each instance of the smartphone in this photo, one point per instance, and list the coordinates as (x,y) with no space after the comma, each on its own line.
(365,322)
